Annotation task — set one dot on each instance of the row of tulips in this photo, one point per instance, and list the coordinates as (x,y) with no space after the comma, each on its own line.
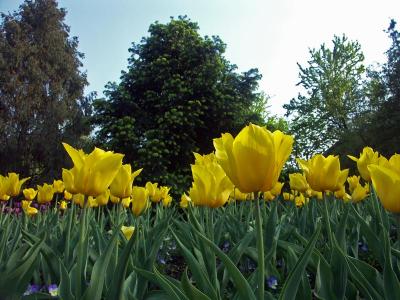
(246,167)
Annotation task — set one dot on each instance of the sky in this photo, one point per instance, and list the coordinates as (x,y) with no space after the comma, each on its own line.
(271,35)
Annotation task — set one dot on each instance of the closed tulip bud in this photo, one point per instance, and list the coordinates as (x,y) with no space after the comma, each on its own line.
(140,200)
(128,231)
(387,185)
(367,157)
(94,172)
(4,184)
(14,184)
(102,199)
(298,182)
(253,159)
(323,173)
(29,194)
(58,186)
(45,193)
(167,200)
(277,188)
(121,186)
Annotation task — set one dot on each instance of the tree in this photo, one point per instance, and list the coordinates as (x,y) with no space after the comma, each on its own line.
(178,93)
(383,130)
(333,99)
(41,90)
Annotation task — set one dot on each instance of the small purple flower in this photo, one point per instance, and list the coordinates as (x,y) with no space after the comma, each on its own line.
(35,205)
(31,289)
(17,204)
(53,290)
(272,282)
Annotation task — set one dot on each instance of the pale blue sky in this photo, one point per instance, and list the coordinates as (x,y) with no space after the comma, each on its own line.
(270,35)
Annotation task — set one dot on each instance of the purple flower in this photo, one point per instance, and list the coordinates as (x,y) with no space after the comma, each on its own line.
(31,289)
(53,289)
(272,282)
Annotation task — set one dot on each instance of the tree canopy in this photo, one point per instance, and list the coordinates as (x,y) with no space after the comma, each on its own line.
(178,93)
(41,89)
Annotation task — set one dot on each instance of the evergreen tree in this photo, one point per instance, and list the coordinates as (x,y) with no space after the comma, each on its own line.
(41,89)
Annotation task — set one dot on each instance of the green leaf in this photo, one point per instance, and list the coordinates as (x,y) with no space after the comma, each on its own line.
(192,292)
(291,285)
(241,284)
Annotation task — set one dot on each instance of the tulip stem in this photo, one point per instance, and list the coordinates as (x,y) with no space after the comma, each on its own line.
(260,250)
(397,216)
(81,252)
(328,223)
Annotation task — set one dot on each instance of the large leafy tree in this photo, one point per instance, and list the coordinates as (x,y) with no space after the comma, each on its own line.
(383,128)
(333,97)
(178,93)
(41,89)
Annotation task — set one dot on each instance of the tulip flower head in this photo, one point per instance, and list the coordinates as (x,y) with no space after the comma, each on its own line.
(140,200)
(128,231)
(386,181)
(298,182)
(92,173)
(185,201)
(45,193)
(323,173)
(253,159)
(211,187)
(58,186)
(367,157)
(14,184)
(121,186)
(29,194)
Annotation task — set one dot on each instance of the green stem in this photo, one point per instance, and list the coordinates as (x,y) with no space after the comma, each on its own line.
(81,251)
(397,216)
(260,250)
(327,222)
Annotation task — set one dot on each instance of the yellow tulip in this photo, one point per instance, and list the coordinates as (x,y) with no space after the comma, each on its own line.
(92,173)
(58,186)
(185,201)
(79,199)
(45,193)
(268,196)
(152,188)
(102,199)
(25,204)
(29,194)
(128,231)
(140,200)
(14,184)
(121,186)
(340,194)
(298,182)
(360,193)
(114,199)
(300,200)
(4,184)
(211,187)
(63,205)
(394,163)
(367,157)
(288,196)
(67,196)
(254,159)
(387,185)
(31,211)
(126,202)
(167,200)
(353,182)
(92,202)
(239,196)
(323,173)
